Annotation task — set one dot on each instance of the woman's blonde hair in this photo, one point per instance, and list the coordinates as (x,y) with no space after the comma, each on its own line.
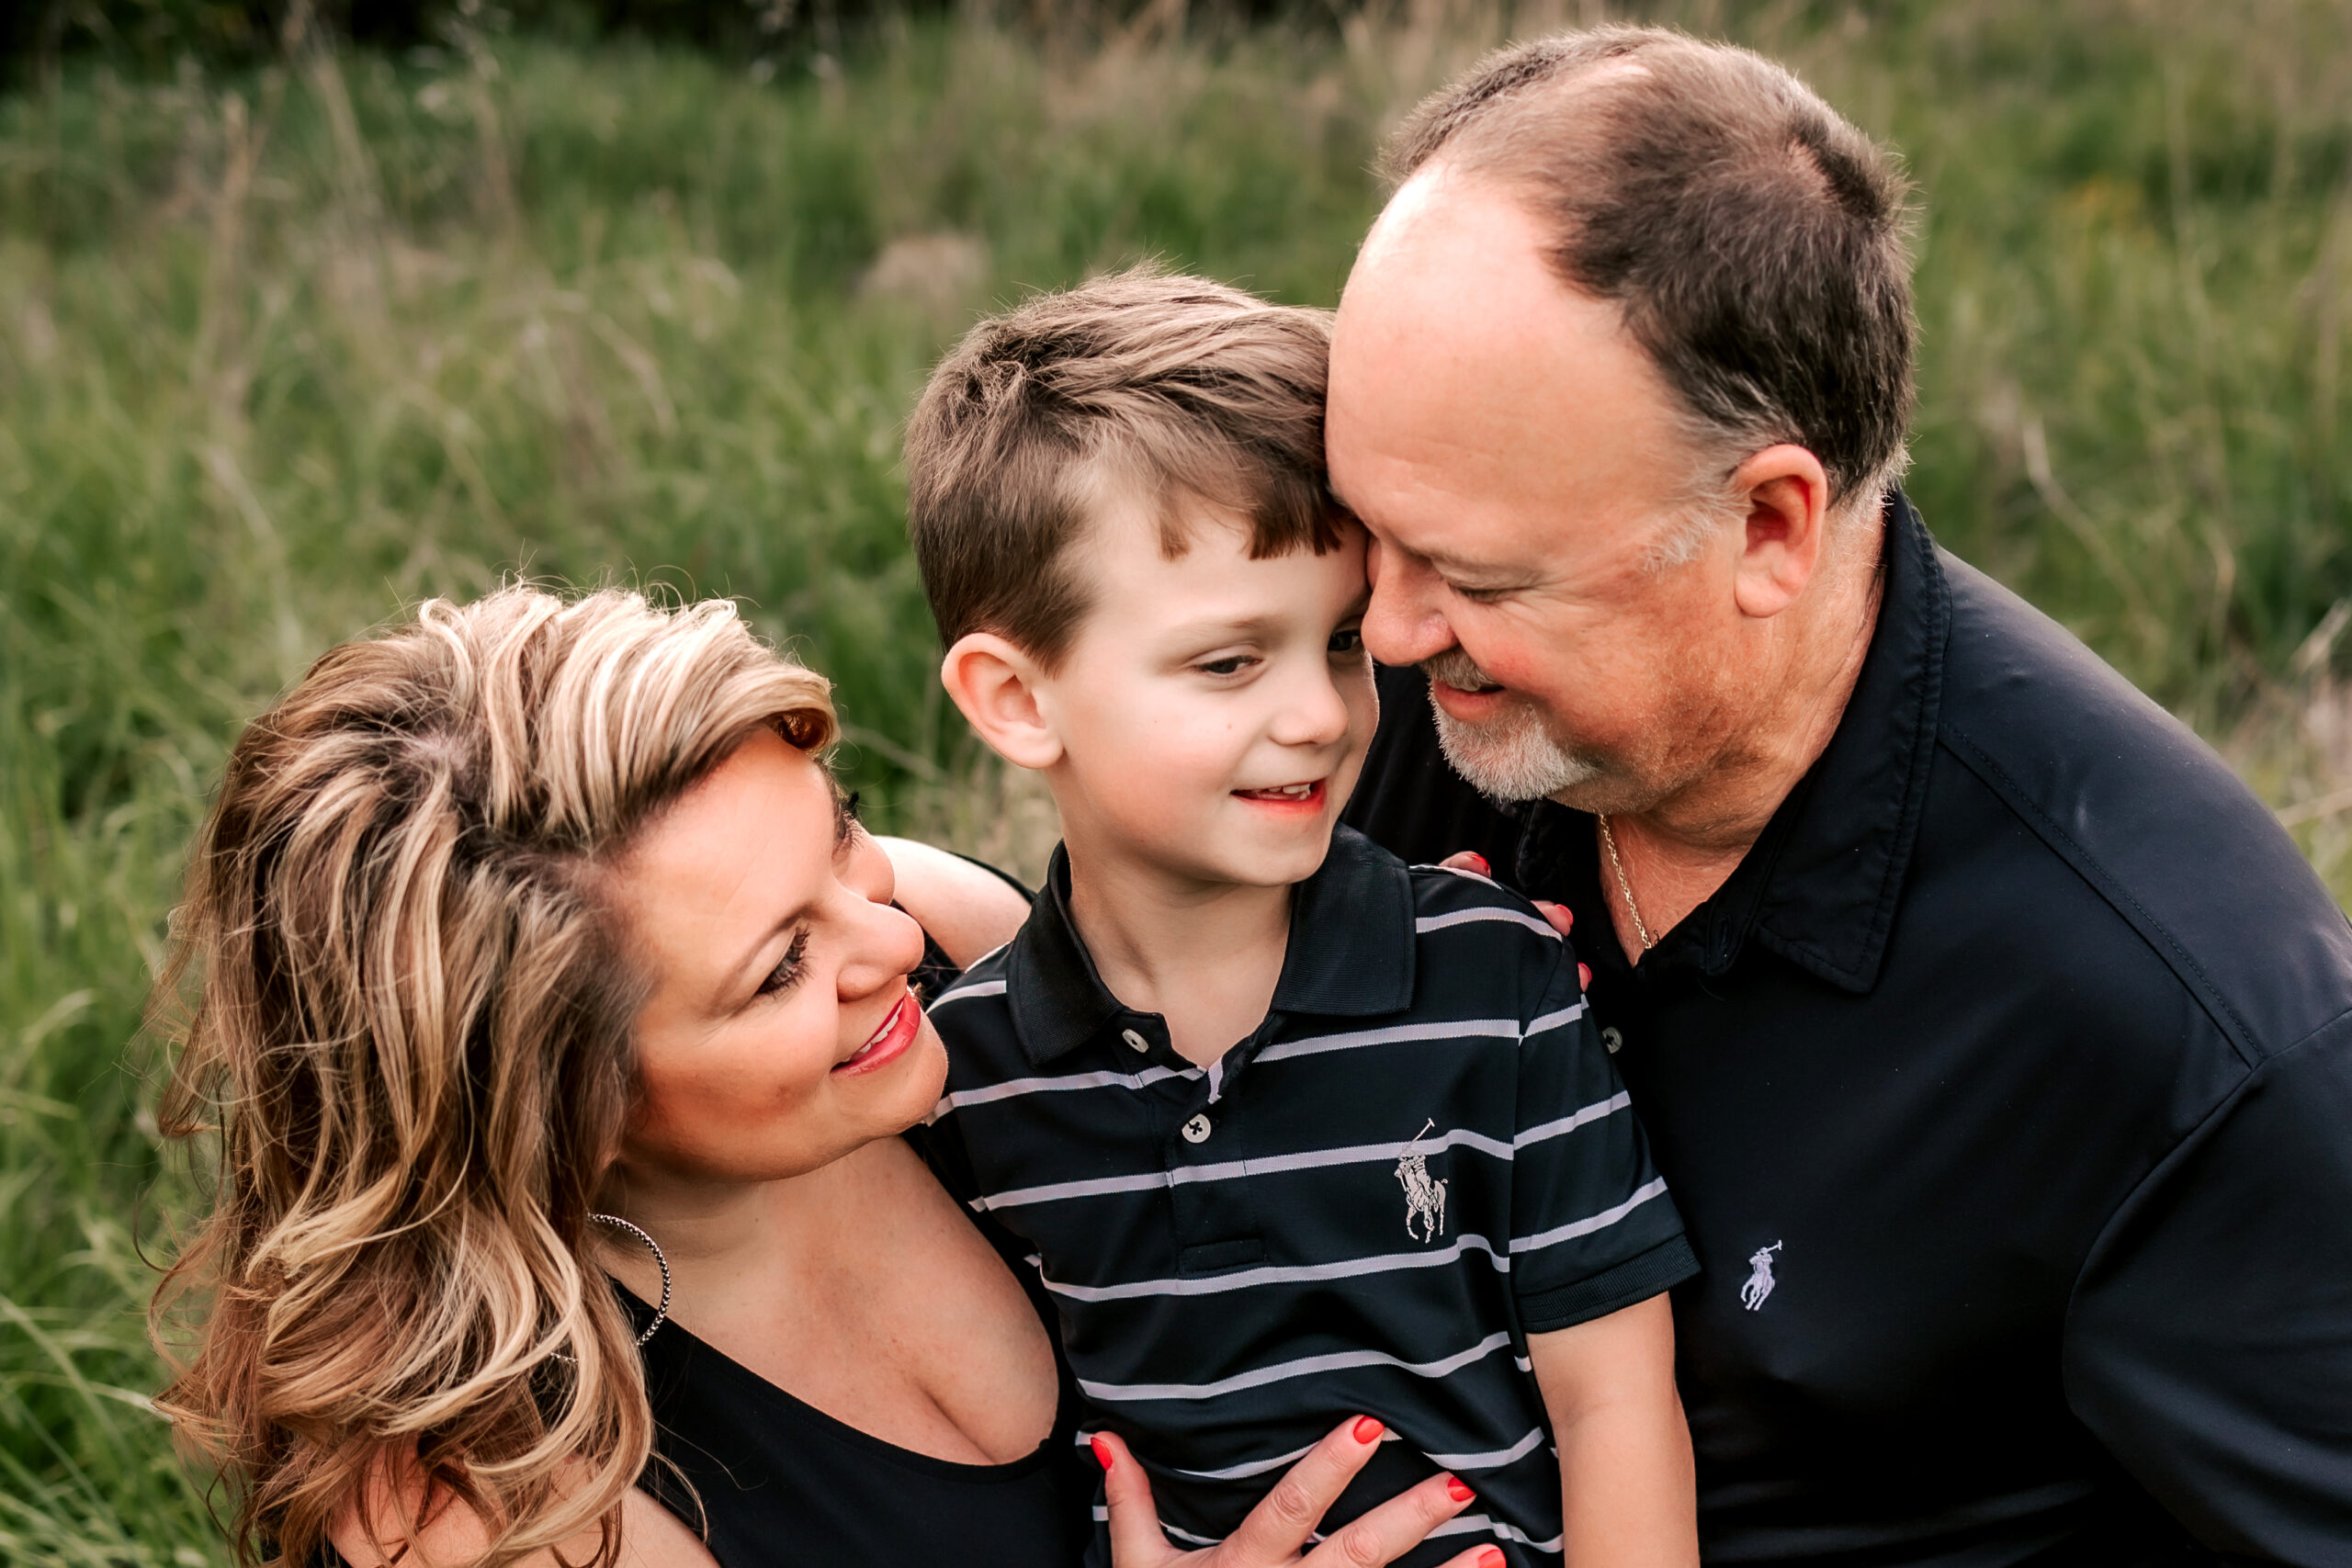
(409,1032)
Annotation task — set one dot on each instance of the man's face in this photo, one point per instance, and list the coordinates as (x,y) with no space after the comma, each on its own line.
(1213,710)
(1514,453)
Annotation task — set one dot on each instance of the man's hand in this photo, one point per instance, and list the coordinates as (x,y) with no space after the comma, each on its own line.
(1281,1525)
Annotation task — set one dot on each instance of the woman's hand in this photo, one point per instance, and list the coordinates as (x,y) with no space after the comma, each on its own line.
(1279,1527)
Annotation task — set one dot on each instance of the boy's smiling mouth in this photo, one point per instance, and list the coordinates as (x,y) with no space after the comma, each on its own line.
(1308,794)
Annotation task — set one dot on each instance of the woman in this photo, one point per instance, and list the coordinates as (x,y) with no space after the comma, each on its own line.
(535,946)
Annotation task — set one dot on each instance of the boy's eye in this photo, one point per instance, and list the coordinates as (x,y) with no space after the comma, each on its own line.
(1233,664)
(788,969)
(1349,640)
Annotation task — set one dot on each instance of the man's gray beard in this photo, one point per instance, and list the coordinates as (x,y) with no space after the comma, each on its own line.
(1513,755)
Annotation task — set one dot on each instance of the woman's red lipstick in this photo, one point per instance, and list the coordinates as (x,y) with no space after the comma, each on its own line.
(890,1040)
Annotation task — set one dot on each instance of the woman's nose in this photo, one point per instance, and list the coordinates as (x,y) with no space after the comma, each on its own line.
(885,945)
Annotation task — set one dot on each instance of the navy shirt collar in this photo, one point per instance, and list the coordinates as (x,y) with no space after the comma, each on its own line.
(1819,886)
(1350,952)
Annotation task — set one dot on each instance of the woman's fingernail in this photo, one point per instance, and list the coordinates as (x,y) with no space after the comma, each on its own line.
(1367,1430)
(1584,976)
(1479,861)
(1101,1451)
(1560,915)
(1490,1558)
(1457,1489)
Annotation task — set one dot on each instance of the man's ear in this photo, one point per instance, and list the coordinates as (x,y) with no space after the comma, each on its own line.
(1784,495)
(996,686)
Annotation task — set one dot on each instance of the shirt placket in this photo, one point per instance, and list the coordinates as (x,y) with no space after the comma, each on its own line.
(1201,1143)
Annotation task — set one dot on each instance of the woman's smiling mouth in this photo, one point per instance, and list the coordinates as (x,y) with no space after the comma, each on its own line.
(897,1033)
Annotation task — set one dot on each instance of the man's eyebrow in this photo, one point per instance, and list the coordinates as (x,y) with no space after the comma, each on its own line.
(1492,573)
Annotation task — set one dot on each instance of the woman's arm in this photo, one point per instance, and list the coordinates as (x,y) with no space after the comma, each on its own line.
(967,912)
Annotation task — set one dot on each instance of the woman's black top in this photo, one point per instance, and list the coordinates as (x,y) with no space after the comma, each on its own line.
(775,1482)
(769,1480)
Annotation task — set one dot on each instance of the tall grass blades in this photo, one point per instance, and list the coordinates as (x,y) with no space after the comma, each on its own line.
(283,352)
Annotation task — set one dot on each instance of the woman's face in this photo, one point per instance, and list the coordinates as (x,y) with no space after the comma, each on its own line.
(780,1034)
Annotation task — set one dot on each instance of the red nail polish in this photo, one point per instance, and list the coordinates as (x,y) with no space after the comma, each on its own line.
(1101,1451)
(1584,976)
(1479,861)
(1366,1430)
(1455,1489)
(1490,1558)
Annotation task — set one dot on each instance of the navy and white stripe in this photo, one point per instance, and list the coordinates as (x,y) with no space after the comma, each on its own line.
(1228,1295)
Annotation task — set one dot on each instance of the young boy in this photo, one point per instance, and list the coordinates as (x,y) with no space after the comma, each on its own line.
(1293,1130)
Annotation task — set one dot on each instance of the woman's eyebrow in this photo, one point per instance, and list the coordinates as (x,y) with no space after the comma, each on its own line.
(845,822)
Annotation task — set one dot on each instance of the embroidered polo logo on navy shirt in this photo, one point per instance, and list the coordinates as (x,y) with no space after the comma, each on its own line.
(1759,1278)
(1424,1198)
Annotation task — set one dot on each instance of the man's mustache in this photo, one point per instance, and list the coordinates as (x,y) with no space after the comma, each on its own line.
(1458,670)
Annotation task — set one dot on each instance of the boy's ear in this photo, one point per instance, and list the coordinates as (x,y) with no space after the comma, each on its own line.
(996,686)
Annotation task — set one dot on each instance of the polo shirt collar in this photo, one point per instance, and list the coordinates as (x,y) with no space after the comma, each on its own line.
(1351,951)
(1820,885)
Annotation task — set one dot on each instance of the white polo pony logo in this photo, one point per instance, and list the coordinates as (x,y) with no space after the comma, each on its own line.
(1759,1280)
(1424,1198)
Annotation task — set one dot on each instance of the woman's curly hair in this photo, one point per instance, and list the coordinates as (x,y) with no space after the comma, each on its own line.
(403,1015)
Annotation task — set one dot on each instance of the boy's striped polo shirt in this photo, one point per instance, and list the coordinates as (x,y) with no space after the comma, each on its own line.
(1421,1156)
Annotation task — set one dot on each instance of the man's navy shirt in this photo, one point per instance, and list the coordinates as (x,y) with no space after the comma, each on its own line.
(1421,1156)
(2006,1089)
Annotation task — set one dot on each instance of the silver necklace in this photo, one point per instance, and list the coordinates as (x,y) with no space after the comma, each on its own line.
(1609,842)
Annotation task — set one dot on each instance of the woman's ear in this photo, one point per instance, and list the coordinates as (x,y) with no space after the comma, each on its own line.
(996,686)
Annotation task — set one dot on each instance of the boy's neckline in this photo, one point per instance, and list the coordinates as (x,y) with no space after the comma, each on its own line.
(1350,953)
(1207,968)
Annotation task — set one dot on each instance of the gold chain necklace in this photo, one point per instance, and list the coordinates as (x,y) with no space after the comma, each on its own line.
(1609,842)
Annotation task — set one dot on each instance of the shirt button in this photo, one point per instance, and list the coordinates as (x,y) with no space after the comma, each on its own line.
(1614,1040)
(1134,1042)
(1196,1131)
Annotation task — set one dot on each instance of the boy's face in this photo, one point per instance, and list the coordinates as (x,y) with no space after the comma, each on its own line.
(1213,710)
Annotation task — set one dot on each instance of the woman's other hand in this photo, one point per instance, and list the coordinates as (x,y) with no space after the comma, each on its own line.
(1561,917)
(1278,1529)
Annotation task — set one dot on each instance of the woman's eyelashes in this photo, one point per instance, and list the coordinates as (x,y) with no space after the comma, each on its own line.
(788,971)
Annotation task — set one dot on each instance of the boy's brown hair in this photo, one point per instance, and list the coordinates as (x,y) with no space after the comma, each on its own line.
(1179,387)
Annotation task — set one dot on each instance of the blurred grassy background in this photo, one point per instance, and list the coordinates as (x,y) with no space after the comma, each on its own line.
(287,348)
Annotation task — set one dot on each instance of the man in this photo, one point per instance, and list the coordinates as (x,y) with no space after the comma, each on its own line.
(1996,1043)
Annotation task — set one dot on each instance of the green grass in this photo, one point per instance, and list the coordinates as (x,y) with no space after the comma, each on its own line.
(283,354)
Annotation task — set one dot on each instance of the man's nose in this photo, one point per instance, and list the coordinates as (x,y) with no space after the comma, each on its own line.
(1401,624)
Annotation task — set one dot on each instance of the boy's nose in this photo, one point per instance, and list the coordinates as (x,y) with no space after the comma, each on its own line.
(1313,712)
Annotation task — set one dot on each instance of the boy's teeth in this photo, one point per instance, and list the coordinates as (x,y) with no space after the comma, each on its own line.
(1288,792)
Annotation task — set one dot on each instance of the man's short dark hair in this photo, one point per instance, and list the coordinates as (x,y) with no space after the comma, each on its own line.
(1175,387)
(1752,237)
